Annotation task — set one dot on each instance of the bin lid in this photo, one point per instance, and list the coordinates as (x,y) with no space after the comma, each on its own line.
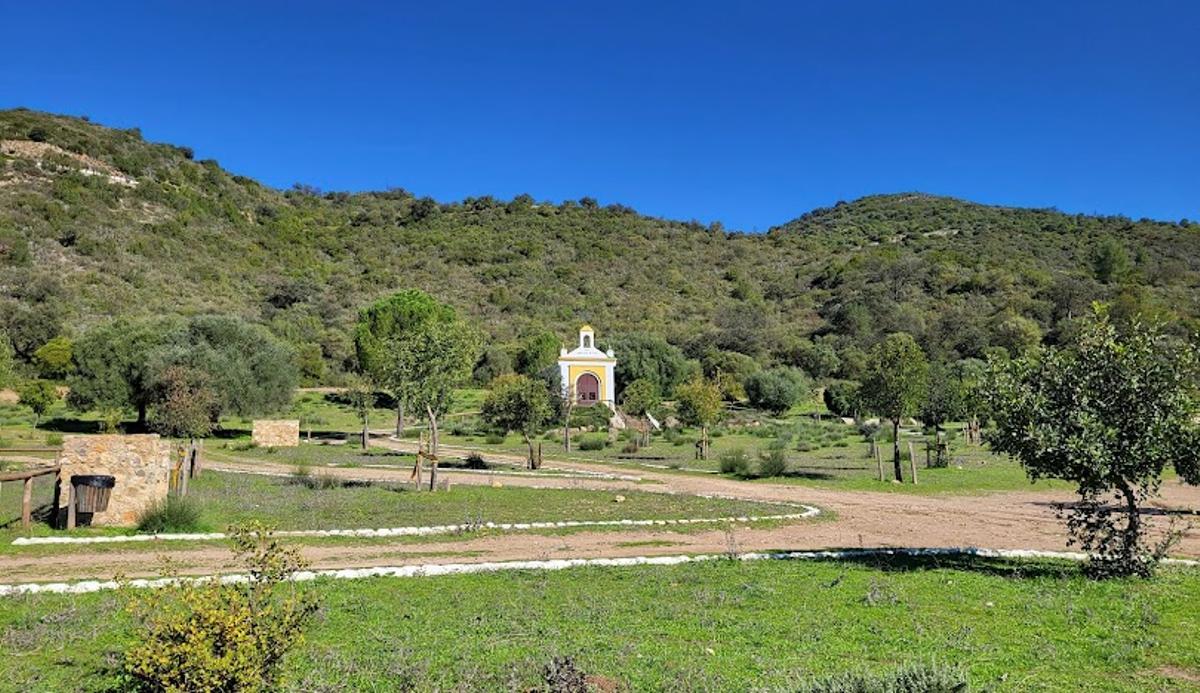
(96,480)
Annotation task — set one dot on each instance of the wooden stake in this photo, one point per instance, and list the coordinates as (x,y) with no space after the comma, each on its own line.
(879,462)
(912,462)
(70,506)
(26,509)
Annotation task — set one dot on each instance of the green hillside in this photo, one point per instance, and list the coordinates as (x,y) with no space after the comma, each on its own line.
(97,223)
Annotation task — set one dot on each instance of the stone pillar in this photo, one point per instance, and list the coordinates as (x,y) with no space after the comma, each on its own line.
(140,463)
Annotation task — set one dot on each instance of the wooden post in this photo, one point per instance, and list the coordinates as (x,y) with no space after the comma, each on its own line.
(912,462)
(433,463)
(70,506)
(183,475)
(26,509)
(879,462)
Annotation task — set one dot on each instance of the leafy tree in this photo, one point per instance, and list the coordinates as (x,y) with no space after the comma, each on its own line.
(38,395)
(699,403)
(842,398)
(818,358)
(1109,413)
(429,362)
(1110,261)
(518,403)
(776,390)
(729,369)
(53,359)
(640,397)
(1017,333)
(642,356)
(113,365)
(184,403)
(895,384)
(537,352)
(380,328)
(361,398)
(943,402)
(493,363)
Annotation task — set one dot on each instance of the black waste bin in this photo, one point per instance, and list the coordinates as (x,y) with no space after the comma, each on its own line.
(92,492)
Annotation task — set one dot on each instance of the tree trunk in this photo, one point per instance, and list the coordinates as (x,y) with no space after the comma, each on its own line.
(141,420)
(896,449)
(433,431)
(366,437)
(529,444)
(399,417)
(1133,527)
(704,442)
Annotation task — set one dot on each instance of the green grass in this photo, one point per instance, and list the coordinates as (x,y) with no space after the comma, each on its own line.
(714,626)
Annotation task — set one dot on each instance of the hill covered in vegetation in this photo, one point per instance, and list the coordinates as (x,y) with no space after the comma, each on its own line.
(97,223)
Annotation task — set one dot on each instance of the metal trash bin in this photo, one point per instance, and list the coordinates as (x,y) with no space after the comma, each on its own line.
(92,492)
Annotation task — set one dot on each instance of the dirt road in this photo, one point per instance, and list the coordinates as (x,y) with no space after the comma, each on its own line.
(1016,520)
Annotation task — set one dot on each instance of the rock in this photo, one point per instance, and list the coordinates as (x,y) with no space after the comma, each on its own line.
(619,499)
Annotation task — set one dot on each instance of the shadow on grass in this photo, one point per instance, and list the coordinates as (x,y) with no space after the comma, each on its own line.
(810,474)
(988,565)
(63,425)
(1120,510)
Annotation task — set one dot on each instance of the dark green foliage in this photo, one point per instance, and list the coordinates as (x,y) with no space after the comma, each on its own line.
(772,463)
(895,384)
(640,397)
(593,443)
(191,238)
(776,390)
(642,356)
(911,678)
(518,403)
(841,398)
(1109,413)
(172,514)
(184,403)
(537,352)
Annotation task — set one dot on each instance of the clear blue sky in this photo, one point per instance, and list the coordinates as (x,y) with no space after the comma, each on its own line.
(749,113)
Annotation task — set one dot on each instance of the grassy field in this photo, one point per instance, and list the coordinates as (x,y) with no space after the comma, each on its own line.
(224,499)
(714,626)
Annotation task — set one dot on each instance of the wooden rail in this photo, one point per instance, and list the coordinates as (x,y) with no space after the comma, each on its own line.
(27,475)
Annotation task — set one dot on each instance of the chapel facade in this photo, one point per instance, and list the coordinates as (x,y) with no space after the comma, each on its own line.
(587,372)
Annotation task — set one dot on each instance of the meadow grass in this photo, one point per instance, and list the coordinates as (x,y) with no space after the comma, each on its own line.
(721,625)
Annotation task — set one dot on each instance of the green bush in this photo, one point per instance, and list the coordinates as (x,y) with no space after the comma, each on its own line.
(173,514)
(772,463)
(736,462)
(912,678)
(54,440)
(592,443)
(475,461)
(493,439)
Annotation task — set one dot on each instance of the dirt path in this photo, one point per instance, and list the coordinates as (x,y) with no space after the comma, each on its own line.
(1015,520)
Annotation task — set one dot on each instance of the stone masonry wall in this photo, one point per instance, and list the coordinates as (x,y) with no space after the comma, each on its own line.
(140,463)
(279,433)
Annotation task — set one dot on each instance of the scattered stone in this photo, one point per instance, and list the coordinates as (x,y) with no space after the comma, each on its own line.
(619,499)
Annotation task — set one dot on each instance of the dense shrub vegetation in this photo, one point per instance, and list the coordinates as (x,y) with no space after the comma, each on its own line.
(815,293)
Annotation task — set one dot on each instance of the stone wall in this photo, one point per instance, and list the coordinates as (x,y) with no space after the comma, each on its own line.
(279,433)
(140,463)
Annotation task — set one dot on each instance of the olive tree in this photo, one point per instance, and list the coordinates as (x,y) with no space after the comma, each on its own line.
(1108,413)
(895,383)
(431,360)
(518,403)
(39,396)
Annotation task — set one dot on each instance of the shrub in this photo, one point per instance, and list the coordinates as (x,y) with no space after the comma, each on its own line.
(475,461)
(206,635)
(493,439)
(54,440)
(172,514)
(592,443)
(777,389)
(302,475)
(925,678)
(772,463)
(630,448)
(735,462)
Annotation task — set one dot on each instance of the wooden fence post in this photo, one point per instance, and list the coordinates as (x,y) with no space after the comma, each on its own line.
(70,506)
(912,462)
(879,462)
(26,509)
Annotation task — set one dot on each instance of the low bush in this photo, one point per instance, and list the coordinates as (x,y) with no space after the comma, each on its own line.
(212,636)
(630,448)
(493,439)
(736,462)
(592,443)
(475,461)
(172,514)
(772,463)
(302,475)
(54,440)
(913,678)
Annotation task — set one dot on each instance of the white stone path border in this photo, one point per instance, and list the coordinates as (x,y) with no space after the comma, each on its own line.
(807,512)
(435,569)
(581,474)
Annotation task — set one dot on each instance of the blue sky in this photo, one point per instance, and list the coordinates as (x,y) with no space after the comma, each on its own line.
(748,113)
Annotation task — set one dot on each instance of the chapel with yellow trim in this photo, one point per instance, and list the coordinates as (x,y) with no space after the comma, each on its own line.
(587,372)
